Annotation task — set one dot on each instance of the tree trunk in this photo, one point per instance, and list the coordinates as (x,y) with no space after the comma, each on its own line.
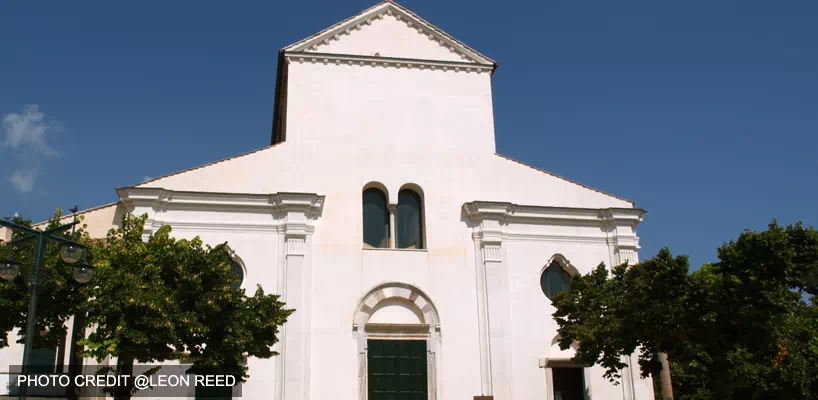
(75,359)
(667,389)
(124,366)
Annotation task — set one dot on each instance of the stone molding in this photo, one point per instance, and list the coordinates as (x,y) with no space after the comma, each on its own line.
(159,199)
(383,10)
(493,220)
(477,210)
(385,62)
(292,213)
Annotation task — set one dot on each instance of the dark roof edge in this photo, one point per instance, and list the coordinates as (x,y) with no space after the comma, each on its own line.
(278,134)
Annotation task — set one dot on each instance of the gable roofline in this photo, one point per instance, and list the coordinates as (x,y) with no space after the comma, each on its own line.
(563,178)
(78,213)
(389,7)
(331,28)
(386,7)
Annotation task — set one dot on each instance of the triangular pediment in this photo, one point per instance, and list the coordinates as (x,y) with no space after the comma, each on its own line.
(391,31)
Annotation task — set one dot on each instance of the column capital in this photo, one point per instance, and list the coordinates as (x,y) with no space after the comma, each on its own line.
(295,245)
(491,252)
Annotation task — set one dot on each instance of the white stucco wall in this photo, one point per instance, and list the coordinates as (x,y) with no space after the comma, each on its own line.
(348,125)
(352,125)
(395,126)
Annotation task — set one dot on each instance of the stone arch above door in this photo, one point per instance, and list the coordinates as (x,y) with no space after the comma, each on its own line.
(398,295)
(397,311)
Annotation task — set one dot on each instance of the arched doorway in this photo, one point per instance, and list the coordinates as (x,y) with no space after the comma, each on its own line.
(565,379)
(398,333)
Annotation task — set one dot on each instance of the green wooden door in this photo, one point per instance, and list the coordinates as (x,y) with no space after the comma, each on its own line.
(214,392)
(568,383)
(397,370)
(43,360)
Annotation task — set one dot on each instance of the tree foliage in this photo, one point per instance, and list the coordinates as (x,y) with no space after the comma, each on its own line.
(151,300)
(59,294)
(739,328)
(167,299)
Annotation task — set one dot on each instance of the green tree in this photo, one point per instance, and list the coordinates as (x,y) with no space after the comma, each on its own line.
(59,294)
(739,328)
(165,299)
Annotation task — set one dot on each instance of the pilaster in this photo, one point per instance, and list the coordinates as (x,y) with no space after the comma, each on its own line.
(492,299)
(623,246)
(297,215)
(296,343)
(482,316)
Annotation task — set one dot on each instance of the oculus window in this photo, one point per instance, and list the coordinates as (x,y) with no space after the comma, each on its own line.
(554,279)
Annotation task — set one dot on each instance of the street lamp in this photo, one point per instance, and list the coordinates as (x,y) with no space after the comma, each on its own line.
(71,252)
(9,269)
(83,273)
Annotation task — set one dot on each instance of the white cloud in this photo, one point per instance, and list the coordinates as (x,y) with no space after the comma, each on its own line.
(146,178)
(23,181)
(29,128)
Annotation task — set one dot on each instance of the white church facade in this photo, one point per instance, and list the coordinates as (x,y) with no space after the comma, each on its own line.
(420,262)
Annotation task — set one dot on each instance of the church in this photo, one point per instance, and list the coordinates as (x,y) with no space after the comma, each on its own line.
(420,261)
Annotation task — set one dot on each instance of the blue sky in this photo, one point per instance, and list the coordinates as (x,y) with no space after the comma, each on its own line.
(703,112)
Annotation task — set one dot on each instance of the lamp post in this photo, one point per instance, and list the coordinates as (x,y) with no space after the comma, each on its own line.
(71,252)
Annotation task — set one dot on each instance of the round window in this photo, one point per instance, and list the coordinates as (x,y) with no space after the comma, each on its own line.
(554,279)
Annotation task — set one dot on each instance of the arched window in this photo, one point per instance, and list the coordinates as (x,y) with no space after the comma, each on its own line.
(554,279)
(409,220)
(239,271)
(376,218)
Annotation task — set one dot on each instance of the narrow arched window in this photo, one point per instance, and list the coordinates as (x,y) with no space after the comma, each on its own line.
(376,219)
(239,272)
(409,220)
(554,279)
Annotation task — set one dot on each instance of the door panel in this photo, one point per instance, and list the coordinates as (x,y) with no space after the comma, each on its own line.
(43,360)
(397,370)
(568,383)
